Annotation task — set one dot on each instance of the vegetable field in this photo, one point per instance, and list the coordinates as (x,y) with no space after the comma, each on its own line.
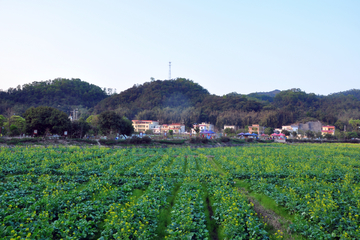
(178,193)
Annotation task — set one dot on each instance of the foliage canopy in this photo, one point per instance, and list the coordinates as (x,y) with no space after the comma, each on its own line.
(46,119)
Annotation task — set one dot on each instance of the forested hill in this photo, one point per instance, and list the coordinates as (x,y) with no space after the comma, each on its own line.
(182,100)
(63,94)
(179,93)
(264,96)
(152,100)
(353,92)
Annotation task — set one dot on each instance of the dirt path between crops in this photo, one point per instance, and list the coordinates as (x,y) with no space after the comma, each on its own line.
(213,234)
(268,216)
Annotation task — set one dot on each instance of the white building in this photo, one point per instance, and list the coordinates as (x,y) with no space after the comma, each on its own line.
(142,125)
(203,126)
(231,127)
(177,128)
(291,128)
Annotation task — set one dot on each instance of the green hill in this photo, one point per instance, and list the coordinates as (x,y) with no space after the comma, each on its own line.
(63,94)
(174,101)
(179,93)
(353,92)
(182,100)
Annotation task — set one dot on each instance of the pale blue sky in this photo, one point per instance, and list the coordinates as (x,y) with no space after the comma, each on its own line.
(225,46)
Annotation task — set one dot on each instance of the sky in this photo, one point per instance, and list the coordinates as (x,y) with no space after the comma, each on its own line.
(225,46)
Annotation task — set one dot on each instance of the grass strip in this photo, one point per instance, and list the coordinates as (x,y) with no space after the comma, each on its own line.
(277,218)
(211,224)
(185,165)
(216,166)
(165,213)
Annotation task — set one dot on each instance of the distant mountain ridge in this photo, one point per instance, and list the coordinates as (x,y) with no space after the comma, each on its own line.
(182,100)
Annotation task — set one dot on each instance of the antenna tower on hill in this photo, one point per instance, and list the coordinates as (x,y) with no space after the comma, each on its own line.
(169,70)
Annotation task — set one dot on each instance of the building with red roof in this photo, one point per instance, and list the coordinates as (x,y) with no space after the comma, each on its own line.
(328,130)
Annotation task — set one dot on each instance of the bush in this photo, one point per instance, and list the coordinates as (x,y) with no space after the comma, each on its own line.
(146,140)
(205,140)
(225,139)
(137,140)
(108,142)
(15,141)
(133,140)
(249,140)
(329,136)
(238,141)
(14,130)
(171,141)
(89,141)
(196,140)
(265,141)
(350,135)
(199,140)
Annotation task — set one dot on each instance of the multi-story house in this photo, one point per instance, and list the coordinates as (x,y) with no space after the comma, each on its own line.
(277,130)
(328,130)
(231,127)
(142,125)
(291,128)
(177,128)
(256,128)
(203,126)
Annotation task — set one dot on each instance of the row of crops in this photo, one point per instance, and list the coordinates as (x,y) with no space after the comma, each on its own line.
(176,193)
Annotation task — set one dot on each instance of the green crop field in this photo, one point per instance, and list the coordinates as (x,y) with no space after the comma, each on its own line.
(311,190)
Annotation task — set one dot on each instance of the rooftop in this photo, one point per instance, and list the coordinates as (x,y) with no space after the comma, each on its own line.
(143,121)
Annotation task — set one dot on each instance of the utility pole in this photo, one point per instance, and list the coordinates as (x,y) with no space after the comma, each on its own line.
(169,70)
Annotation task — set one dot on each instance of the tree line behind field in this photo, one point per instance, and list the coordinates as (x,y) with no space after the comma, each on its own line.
(179,100)
(49,121)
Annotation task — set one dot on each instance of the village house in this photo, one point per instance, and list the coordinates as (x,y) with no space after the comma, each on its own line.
(328,130)
(141,126)
(277,130)
(291,128)
(231,127)
(203,126)
(256,128)
(177,128)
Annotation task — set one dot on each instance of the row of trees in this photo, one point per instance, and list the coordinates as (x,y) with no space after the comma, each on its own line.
(49,121)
